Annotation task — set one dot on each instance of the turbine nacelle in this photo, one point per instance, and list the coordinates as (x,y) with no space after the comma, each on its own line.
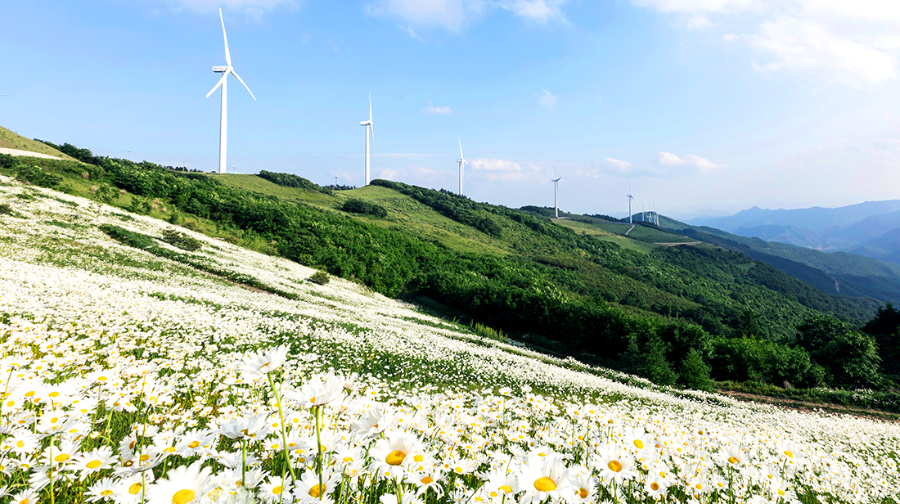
(220,69)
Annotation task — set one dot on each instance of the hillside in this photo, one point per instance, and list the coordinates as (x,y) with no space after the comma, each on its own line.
(816,219)
(11,140)
(228,377)
(643,304)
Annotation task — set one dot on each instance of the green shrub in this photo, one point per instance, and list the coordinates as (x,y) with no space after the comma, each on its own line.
(364,207)
(5,209)
(487,331)
(130,238)
(694,372)
(320,278)
(289,180)
(181,240)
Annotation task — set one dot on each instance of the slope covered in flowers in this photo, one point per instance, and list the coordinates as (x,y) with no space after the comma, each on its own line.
(127,377)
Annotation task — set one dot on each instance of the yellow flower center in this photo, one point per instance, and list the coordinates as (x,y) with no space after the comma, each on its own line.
(24,501)
(395,458)
(614,465)
(314,491)
(183,496)
(733,460)
(788,453)
(145,457)
(654,486)
(418,458)
(20,444)
(134,489)
(639,444)
(583,493)
(53,394)
(347,460)
(62,457)
(194,444)
(93,464)
(506,488)
(427,480)
(544,484)
(106,493)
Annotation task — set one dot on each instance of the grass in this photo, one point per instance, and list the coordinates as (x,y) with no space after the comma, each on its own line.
(12,140)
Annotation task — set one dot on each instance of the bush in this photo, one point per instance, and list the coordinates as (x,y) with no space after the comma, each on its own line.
(130,238)
(181,240)
(364,207)
(5,209)
(7,161)
(289,180)
(320,278)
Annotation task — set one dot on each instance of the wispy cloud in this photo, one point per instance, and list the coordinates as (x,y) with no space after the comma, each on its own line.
(849,43)
(669,159)
(431,109)
(412,33)
(457,14)
(255,8)
(403,155)
(547,100)
(334,48)
(389,174)
(504,170)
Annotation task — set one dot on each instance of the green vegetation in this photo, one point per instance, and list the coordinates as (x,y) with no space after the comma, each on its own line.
(359,206)
(289,180)
(652,311)
(320,278)
(181,240)
(10,140)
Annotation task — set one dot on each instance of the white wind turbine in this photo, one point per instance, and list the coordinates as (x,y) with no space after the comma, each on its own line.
(370,126)
(223,82)
(462,162)
(556,193)
(630,198)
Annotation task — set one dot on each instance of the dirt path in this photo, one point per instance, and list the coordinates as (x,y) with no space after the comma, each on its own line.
(809,407)
(17,152)
(675,244)
(629,229)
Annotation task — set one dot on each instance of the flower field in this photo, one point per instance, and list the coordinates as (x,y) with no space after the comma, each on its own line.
(129,377)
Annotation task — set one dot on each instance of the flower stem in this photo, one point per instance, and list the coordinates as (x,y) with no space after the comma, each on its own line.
(287,457)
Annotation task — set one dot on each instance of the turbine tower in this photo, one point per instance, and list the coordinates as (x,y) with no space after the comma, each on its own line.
(556,193)
(462,162)
(223,82)
(370,126)
(630,198)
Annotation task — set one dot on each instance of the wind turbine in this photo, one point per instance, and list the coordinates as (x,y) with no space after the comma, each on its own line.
(630,197)
(223,82)
(462,162)
(556,193)
(370,126)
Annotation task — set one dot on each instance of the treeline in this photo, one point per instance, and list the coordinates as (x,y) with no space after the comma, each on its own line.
(653,314)
(290,180)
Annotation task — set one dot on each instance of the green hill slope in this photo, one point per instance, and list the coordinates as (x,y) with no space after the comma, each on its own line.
(601,296)
(11,140)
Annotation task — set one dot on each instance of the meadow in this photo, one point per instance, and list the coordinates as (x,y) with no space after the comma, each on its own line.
(128,377)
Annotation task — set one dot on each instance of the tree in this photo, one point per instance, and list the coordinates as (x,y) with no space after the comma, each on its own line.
(885,327)
(851,359)
(653,364)
(694,372)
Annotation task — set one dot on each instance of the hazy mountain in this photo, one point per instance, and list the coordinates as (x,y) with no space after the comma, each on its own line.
(815,218)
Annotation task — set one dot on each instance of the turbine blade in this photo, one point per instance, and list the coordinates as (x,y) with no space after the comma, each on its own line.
(242,82)
(224,76)
(372,126)
(225,35)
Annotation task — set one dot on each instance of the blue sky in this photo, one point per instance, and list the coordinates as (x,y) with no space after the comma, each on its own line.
(700,104)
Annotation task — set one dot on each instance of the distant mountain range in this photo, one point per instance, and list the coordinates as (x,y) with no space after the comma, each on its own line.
(870,229)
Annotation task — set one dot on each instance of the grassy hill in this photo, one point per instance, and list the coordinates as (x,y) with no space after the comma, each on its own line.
(11,140)
(576,287)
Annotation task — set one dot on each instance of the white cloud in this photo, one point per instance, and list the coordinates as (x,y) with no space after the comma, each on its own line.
(403,155)
(801,45)
(334,48)
(389,174)
(252,7)
(669,159)
(547,100)
(450,14)
(456,14)
(412,33)
(854,43)
(618,163)
(431,109)
(694,6)
(501,169)
(538,10)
